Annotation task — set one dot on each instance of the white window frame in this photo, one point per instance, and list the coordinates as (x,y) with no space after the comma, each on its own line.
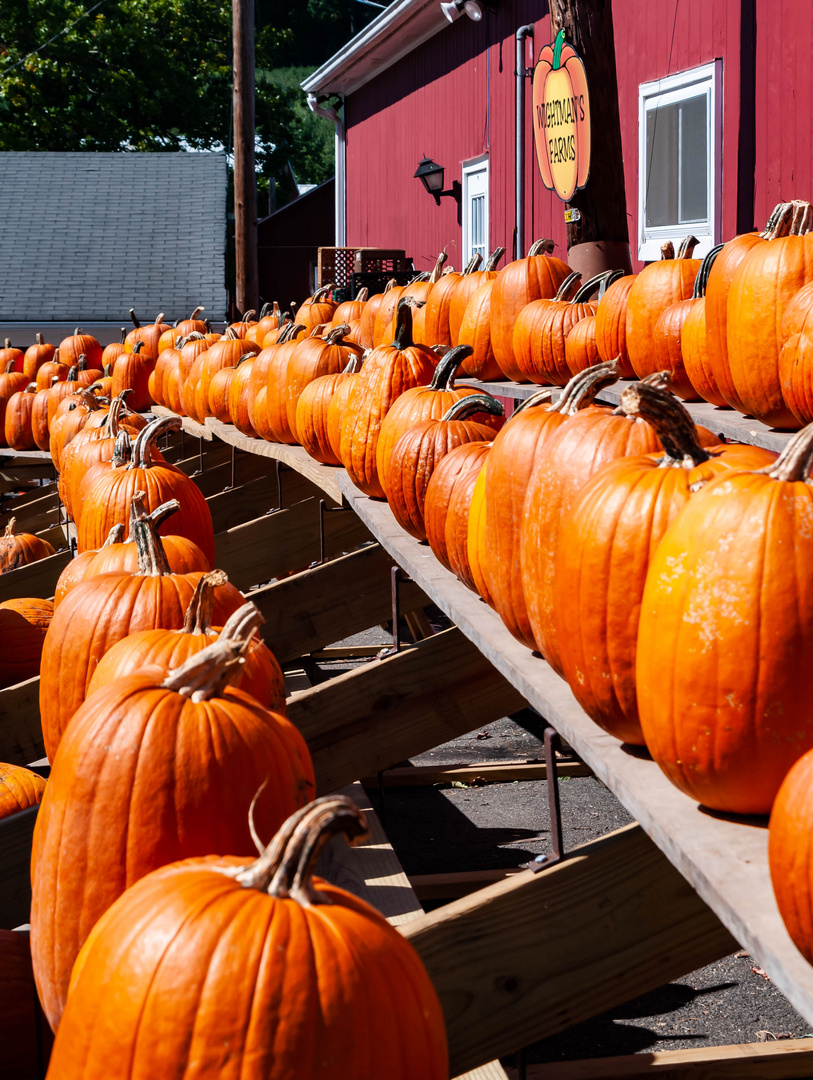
(476,165)
(668,91)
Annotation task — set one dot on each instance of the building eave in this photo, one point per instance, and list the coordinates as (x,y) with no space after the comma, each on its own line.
(395,33)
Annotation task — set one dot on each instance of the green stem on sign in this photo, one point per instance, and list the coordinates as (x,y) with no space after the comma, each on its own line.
(558,45)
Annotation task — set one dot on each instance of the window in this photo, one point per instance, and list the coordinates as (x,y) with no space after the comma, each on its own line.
(680,160)
(475,209)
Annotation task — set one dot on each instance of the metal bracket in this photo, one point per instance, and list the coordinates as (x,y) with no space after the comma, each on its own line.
(325,509)
(397,577)
(278,471)
(230,485)
(552,743)
(199,469)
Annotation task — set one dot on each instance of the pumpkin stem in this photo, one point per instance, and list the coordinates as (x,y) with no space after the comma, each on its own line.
(231,334)
(570,282)
(794,463)
(541,397)
(39,338)
(667,250)
(473,263)
(767,232)
(541,247)
(195,313)
(209,672)
(321,294)
(403,327)
(438,267)
(152,559)
(702,279)
(113,418)
(199,613)
(133,319)
(285,869)
(248,315)
(558,45)
(9,366)
(147,437)
(353,364)
(122,451)
(474,403)
(446,371)
(609,278)
(493,259)
(582,389)
(73,374)
(362,294)
(672,423)
(335,335)
(10,527)
(114,536)
(89,399)
(390,285)
(590,286)
(139,345)
(687,246)
(802,218)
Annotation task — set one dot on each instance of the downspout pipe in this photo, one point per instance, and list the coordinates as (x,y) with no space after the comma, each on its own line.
(333,115)
(524,32)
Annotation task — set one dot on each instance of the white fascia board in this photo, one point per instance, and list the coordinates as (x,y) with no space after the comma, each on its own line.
(399,30)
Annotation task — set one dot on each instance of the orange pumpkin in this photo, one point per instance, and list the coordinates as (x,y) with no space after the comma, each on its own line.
(20,789)
(448,499)
(20,549)
(611,325)
(312,412)
(23,625)
(36,356)
(150,334)
(465,289)
(694,338)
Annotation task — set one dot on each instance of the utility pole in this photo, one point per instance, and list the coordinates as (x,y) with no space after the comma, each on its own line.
(245,180)
(599,240)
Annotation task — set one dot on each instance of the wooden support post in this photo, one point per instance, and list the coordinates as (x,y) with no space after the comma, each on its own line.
(528,957)
(499,772)
(15,867)
(330,602)
(20,729)
(388,710)
(245,180)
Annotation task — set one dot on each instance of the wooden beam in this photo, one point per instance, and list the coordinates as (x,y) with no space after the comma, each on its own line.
(32,514)
(275,544)
(452,886)
(20,729)
(528,957)
(330,602)
(388,710)
(36,579)
(499,772)
(780,1060)
(15,867)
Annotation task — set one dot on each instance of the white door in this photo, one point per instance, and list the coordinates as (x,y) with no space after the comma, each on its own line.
(475,210)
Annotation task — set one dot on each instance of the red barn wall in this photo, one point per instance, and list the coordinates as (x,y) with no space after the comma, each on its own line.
(453,100)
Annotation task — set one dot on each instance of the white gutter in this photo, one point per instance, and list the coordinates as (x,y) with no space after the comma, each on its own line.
(397,31)
(341,167)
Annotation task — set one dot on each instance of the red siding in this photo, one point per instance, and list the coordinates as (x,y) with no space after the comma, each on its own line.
(453,100)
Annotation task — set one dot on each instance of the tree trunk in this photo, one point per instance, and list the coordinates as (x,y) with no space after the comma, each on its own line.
(245,180)
(599,240)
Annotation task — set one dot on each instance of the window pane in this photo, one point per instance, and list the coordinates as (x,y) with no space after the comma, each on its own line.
(662,135)
(694,159)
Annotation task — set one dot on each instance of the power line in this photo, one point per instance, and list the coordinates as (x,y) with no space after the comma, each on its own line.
(70,26)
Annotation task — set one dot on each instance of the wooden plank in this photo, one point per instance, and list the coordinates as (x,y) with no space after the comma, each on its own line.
(725,860)
(7,453)
(190,426)
(36,579)
(388,710)
(492,772)
(20,729)
(30,494)
(15,867)
(330,602)
(781,1060)
(32,514)
(287,540)
(23,472)
(523,959)
(324,476)
(461,883)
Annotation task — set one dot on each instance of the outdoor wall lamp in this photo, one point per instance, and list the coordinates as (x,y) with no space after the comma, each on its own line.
(430,175)
(453,9)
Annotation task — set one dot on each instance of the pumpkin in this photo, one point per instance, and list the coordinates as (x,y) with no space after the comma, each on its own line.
(174,377)
(350,310)
(311,358)
(271,406)
(339,969)
(74,572)
(427,403)
(794,359)
(475,331)
(437,318)
(238,400)
(270,319)
(11,359)
(150,334)
(20,549)
(20,789)
(78,344)
(240,328)
(192,325)
(87,412)
(39,418)
(272,337)
(335,412)
(388,371)
(260,676)
(18,426)
(23,625)
(448,498)
(50,372)
(657,287)
(717,287)
(762,288)
(207,748)
(721,643)
(536,277)
(560,76)
(476,540)
(588,440)
(132,372)
(108,500)
(36,356)
(317,309)
(419,450)
(370,313)
(789,834)
(102,610)
(111,352)
(11,383)
(581,350)
(258,380)
(218,397)
(694,339)
(605,546)
(611,325)
(465,289)
(224,353)
(312,410)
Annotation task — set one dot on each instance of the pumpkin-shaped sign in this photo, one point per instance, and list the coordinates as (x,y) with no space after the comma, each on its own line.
(561,118)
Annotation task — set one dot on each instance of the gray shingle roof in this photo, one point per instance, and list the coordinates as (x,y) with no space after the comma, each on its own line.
(87,236)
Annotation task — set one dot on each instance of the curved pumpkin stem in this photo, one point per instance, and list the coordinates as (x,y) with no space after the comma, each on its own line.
(544,246)
(114,536)
(113,418)
(448,366)
(570,283)
(10,365)
(10,527)
(541,397)
(334,336)
(199,613)
(139,345)
(702,279)
(152,559)
(248,315)
(493,259)
(667,250)
(582,389)
(609,278)
(687,246)
(474,403)
(133,319)
(795,461)
(473,263)
(286,867)
(207,674)
(147,437)
(590,286)
(122,451)
(674,427)
(354,364)
(91,402)
(438,267)
(403,327)
(390,285)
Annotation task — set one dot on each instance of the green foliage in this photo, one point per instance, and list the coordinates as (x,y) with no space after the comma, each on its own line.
(309,137)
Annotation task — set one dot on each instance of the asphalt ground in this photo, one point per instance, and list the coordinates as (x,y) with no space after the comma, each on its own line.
(444,828)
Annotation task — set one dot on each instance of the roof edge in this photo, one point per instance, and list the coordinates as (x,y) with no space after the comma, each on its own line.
(397,31)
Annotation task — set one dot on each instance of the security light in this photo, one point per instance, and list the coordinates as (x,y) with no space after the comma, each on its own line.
(430,175)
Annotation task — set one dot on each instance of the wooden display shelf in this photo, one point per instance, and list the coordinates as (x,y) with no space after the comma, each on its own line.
(726,422)
(725,860)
